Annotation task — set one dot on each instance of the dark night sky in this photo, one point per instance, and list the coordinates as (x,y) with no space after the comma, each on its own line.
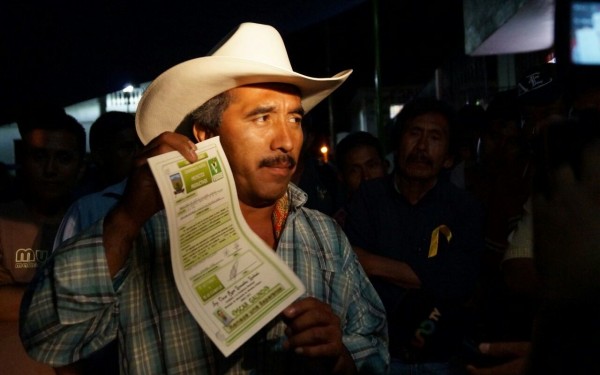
(73,51)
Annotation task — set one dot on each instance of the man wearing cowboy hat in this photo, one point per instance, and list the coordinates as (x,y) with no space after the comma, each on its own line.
(116,279)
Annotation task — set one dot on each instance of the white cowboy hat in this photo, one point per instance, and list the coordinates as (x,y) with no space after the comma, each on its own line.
(252,53)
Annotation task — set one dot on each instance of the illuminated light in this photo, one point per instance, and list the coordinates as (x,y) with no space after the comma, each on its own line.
(395,109)
(324,151)
(128,88)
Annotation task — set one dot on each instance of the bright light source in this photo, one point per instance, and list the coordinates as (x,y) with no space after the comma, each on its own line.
(324,151)
(128,88)
(395,109)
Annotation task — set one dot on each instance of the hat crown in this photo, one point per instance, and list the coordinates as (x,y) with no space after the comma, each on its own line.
(256,42)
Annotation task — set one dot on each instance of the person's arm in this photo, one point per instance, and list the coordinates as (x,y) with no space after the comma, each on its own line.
(518,267)
(514,355)
(350,308)
(63,304)
(393,271)
(567,235)
(356,341)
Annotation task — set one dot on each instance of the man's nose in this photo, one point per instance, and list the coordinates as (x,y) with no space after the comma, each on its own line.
(282,138)
(367,174)
(422,142)
(50,165)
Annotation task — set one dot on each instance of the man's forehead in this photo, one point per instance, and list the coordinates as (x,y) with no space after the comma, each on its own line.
(43,137)
(265,96)
(362,151)
(429,120)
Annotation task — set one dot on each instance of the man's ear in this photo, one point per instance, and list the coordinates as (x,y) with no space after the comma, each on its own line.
(202,132)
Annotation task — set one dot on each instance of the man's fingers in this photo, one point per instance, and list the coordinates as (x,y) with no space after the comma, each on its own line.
(309,312)
(505,349)
(313,345)
(169,141)
(313,329)
(314,335)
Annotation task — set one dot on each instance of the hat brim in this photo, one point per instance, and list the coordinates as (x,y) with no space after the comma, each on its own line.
(186,86)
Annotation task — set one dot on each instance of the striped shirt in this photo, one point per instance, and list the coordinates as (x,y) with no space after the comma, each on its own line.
(74,308)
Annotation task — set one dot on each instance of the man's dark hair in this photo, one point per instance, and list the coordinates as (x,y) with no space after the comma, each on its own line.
(208,114)
(421,106)
(49,117)
(107,125)
(354,140)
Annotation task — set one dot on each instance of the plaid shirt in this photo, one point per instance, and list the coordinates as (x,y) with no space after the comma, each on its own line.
(74,308)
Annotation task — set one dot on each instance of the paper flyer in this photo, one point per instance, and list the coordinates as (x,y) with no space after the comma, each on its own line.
(230,280)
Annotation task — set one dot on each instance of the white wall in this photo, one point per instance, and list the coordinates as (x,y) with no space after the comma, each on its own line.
(8,133)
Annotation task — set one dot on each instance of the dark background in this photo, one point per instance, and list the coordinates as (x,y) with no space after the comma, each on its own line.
(72,51)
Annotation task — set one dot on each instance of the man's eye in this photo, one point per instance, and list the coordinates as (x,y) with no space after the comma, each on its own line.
(38,155)
(297,120)
(373,164)
(353,170)
(65,158)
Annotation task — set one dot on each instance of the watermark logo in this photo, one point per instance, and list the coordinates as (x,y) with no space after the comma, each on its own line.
(28,258)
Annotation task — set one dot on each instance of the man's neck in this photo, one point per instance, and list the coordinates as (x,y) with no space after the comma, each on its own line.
(411,189)
(260,221)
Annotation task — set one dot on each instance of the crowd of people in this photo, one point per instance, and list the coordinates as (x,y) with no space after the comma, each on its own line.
(431,264)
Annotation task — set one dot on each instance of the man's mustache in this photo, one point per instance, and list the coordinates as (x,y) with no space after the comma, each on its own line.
(419,158)
(281,161)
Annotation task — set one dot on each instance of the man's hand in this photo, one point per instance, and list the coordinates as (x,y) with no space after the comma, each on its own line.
(515,354)
(141,198)
(314,331)
(390,270)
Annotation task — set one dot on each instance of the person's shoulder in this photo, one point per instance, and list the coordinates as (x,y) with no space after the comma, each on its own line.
(377,187)
(103,198)
(454,191)
(14,210)
(460,197)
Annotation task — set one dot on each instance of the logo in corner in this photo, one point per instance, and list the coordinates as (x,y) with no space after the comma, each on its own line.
(28,258)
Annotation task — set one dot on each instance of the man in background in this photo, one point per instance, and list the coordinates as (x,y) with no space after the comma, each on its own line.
(359,157)
(51,164)
(419,238)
